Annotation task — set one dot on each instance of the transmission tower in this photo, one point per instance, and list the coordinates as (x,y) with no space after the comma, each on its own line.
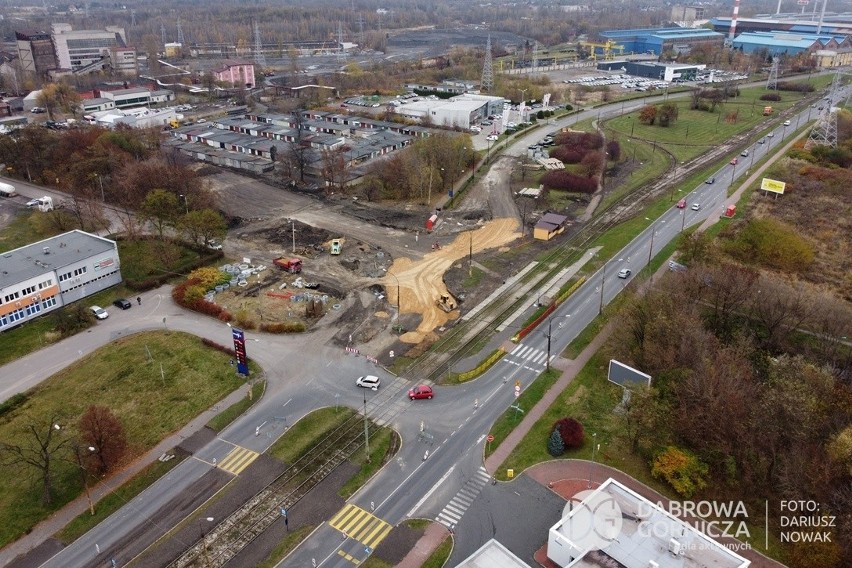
(534,57)
(86,8)
(361,31)
(487,83)
(824,132)
(340,41)
(259,57)
(163,33)
(180,32)
(132,18)
(772,81)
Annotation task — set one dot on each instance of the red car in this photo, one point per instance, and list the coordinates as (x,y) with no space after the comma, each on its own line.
(734,162)
(420,391)
(681,204)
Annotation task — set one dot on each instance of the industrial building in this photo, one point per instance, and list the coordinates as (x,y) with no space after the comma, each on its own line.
(35,52)
(82,50)
(790,43)
(64,51)
(461,111)
(44,276)
(833,24)
(659,40)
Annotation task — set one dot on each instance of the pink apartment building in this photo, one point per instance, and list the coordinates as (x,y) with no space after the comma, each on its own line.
(239,73)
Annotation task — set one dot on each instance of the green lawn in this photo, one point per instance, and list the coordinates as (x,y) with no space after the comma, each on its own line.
(154,382)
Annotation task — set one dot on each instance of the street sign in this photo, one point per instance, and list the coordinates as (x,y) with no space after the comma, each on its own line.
(490,438)
(240,351)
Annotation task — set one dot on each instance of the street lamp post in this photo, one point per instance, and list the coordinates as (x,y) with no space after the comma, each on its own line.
(547,362)
(592,463)
(398,313)
(603,281)
(651,248)
(85,474)
(366,429)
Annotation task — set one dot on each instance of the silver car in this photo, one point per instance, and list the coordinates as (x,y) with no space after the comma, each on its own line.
(368,382)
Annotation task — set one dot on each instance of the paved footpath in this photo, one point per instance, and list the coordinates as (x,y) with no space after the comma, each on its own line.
(555,473)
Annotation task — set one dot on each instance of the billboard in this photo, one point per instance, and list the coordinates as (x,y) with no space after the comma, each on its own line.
(626,376)
(773,185)
(240,350)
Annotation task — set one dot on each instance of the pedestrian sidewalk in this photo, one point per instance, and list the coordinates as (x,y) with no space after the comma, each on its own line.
(46,529)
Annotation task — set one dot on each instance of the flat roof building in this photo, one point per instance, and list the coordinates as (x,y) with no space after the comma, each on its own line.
(36,52)
(237,73)
(614,523)
(788,43)
(46,275)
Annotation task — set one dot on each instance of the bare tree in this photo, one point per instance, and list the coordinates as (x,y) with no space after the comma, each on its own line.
(43,440)
(298,147)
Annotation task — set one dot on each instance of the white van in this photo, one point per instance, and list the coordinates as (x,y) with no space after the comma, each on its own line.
(7,190)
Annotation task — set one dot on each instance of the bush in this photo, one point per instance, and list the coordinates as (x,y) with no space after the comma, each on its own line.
(770,97)
(771,243)
(682,470)
(571,432)
(798,87)
(567,155)
(292,327)
(566,181)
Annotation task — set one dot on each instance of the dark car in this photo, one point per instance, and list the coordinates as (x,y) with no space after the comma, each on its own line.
(122,303)
(420,391)
(710,180)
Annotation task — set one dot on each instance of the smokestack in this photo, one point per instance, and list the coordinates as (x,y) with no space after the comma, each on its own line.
(821,16)
(734,21)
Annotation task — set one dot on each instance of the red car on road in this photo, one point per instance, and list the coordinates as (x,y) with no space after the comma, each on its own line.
(734,161)
(420,391)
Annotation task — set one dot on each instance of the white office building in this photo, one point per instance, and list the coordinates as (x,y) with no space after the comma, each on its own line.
(76,50)
(44,276)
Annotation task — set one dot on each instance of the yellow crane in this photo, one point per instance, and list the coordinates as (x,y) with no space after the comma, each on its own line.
(607,47)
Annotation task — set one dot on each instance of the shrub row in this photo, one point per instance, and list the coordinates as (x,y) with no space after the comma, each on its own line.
(566,181)
(198,305)
(482,367)
(795,86)
(290,327)
(770,97)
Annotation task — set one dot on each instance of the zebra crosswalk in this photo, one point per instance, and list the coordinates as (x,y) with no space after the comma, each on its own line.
(455,509)
(358,524)
(526,356)
(237,460)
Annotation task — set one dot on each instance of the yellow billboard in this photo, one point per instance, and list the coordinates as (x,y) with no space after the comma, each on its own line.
(773,185)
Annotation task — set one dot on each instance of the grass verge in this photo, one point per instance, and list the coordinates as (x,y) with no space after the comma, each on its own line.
(115,500)
(290,542)
(382,446)
(304,433)
(441,554)
(224,418)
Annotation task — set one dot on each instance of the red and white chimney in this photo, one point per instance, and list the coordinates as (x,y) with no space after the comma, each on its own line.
(734,21)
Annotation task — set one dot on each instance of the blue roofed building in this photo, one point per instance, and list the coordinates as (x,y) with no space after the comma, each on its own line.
(659,40)
(789,43)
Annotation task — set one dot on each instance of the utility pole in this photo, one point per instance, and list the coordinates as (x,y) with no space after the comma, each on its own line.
(470,257)
(293,223)
(603,280)
(651,249)
(366,429)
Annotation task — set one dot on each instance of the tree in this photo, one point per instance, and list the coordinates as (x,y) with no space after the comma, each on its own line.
(203,225)
(682,470)
(298,147)
(648,114)
(161,209)
(102,430)
(555,445)
(60,96)
(42,441)
(667,114)
(571,432)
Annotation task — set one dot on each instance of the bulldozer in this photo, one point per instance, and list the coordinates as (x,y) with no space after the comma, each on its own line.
(446,303)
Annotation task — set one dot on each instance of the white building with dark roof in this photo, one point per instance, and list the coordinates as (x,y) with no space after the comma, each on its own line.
(46,275)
